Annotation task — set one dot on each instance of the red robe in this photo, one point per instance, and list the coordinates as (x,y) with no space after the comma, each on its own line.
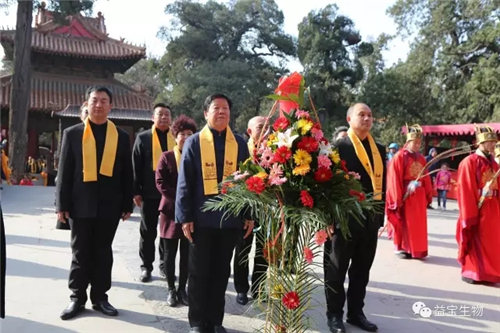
(478,230)
(408,218)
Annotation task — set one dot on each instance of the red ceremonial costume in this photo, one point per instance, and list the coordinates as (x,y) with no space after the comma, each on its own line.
(408,218)
(478,229)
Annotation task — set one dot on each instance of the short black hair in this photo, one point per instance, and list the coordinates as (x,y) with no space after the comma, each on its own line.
(92,89)
(213,97)
(339,130)
(162,105)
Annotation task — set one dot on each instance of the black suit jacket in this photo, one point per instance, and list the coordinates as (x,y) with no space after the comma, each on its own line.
(348,154)
(3,257)
(108,197)
(142,162)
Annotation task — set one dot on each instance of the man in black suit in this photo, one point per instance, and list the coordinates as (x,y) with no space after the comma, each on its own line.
(94,191)
(367,158)
(148,147)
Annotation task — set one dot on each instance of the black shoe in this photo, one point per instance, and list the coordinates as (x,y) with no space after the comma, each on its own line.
(172,298)
(162,274)
(197,330)
(219,329)
(72,310)
(363,323)
(242,299)
(403,255)
(145,275)
(336,325)
(469,280)
(182,297)
(105,308)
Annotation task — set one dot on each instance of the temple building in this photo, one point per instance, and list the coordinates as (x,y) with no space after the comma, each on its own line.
(66,59)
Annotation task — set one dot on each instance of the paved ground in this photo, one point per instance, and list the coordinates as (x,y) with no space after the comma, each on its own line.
(39,258)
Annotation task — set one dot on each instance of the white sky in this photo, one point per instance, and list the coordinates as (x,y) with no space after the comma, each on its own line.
(139,21)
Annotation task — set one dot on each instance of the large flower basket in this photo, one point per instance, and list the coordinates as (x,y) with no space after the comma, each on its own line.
(295,185)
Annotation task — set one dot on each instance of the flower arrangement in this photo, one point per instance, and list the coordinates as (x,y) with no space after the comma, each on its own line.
(295,185)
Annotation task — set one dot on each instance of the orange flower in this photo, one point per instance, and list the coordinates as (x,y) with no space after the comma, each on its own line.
(308,255)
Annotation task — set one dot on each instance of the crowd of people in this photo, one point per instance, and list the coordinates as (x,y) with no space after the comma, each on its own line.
(175,167)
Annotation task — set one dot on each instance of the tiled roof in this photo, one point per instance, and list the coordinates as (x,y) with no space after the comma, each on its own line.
(457,129)
(78,46)
(50,92)
(73,111)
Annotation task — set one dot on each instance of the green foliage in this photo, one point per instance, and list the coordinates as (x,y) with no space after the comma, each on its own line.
(329,48)
(144,77)
(451,74)
(223,47)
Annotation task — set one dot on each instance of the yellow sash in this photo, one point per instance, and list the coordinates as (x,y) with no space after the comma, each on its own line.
(251,146)
(178,154)
(375,175)
(5,166)
(90,155)
(157,151)
(208,162)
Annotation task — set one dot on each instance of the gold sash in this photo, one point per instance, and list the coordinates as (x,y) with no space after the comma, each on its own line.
(375,175)
(157,151)
(251,146)
(178,154)
(209,163)
(90,155)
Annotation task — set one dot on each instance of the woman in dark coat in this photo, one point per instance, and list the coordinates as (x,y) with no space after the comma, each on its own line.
(171,233)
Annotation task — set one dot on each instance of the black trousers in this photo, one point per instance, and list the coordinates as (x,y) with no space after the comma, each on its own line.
(359,252)
(240,263)
(149,231)
(170,247)
(91,245)
(209,269)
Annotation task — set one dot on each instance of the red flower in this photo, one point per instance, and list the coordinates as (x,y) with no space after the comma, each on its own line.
(289,85)
(308,255)
(281,124)
(280,328)
(317,126)
(320,237)
(224,188)
(324,140)
(323,175)
(360,195)
(282,154)
(308,144)
(256,184)
(291,300)
(306,199)
(343,166)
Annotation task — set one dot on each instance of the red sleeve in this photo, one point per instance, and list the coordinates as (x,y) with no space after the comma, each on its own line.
(395,190)
(468,199)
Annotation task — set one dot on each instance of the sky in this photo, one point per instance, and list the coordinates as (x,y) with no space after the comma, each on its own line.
(139,24)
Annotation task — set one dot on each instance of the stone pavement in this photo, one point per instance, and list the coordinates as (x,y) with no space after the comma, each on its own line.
(39,257)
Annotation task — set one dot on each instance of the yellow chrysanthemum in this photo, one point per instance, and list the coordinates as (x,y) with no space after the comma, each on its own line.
(335,157)
(301,170)
(262,175)
(302,157)
(304,125)
(278,290)
(346,177)
(271,139)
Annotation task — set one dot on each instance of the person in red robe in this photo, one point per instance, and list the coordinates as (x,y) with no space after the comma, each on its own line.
(407,218)
(478,228)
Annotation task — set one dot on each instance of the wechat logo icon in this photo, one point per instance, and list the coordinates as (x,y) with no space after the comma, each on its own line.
(419,308)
